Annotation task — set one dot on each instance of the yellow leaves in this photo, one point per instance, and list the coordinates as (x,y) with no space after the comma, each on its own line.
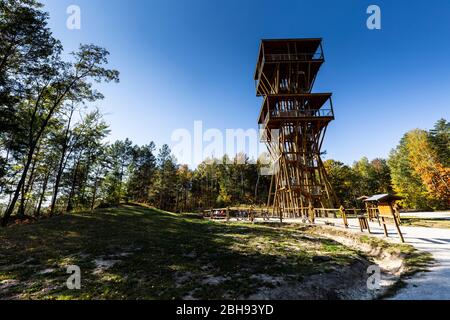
(425,162)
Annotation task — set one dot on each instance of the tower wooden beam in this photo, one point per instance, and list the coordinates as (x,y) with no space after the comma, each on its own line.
(285,75)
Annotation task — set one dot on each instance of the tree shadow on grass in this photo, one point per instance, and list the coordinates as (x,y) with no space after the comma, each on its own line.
(156,255)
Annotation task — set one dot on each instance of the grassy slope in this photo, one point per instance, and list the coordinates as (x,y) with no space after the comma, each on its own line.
(158,255)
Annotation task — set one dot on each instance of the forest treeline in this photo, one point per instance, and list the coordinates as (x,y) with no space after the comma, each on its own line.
(54,157)
(418,169)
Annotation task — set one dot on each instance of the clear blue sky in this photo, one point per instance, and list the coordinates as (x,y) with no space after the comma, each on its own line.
(182,61)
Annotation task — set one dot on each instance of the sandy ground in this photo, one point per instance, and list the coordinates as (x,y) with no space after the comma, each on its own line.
(432,285)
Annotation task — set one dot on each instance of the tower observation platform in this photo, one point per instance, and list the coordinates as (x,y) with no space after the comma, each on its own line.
(293,121)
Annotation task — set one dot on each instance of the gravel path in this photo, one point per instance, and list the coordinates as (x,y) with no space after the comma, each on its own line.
(432,285)
(428,215)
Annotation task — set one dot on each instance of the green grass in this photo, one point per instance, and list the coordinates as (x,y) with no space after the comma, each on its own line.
(159,255)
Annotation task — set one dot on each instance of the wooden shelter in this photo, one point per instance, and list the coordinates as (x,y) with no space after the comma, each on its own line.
(386,205)
(370,208)
(293,122)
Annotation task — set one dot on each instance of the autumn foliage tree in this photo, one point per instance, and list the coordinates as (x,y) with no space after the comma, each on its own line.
(419,167)
(425,162)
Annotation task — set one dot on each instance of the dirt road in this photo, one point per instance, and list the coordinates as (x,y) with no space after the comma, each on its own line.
(432,285)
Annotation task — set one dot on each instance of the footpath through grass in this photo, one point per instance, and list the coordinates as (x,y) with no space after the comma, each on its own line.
(134,252)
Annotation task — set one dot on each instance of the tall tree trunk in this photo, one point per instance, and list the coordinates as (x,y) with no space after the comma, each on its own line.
(256,188)
(56,186)
(21,211)
(86,177)
(185,199)
(15,197)
(41,199)
(72,189)
(32,143)
(27,187)
(94,195)
(61,165)
(6,163)
(177,202)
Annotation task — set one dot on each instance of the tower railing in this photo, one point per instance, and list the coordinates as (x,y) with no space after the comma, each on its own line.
(288,57)
(299,114)
(307,56)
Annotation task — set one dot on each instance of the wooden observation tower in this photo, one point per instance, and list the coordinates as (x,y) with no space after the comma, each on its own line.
(293,122)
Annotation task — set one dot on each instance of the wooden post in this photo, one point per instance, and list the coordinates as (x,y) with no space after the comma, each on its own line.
(399,232)
(387,211)
(369,212)
(363,223)
(398,229)
(344,216)
(312,213)
(396,208)
(383,222)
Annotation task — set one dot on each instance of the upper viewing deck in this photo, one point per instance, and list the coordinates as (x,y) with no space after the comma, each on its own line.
(293,61)
(298,107)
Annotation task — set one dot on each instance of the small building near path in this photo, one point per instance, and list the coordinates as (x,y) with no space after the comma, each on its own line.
(386,208)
